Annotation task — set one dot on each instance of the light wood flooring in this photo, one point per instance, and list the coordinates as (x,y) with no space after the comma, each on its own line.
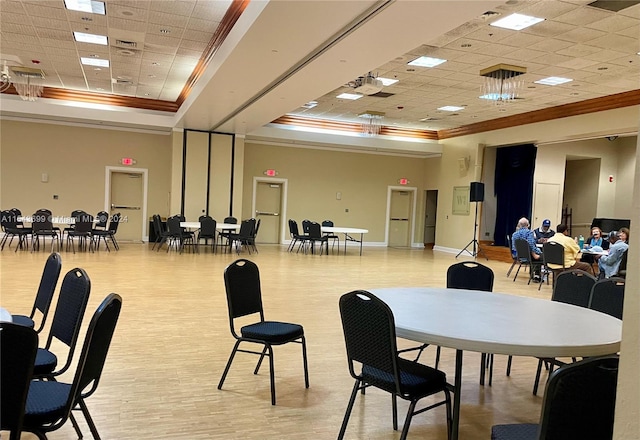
(172,343)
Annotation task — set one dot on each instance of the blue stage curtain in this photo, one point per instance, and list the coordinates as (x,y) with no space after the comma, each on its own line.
(513,188)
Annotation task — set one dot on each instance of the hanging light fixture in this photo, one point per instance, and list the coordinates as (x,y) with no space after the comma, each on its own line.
(502,82)
(27,81)
(372,122)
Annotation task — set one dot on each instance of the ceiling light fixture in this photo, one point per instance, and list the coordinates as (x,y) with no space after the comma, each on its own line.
(387,81)
(94,62)
(502,82)
(90,38)
(553,81)
(27,81)
(372,122)
(517,22)
(95,7)
(451,108)
(427,62)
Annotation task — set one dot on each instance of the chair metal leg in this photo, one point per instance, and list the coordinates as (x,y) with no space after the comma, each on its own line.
(511,268)
(264,352)
(407,420)
(537,379)
(347,413)
(304,362)
(437,357)
(87,416)
(394,410)
(272,376)
(75,425)
(226,369)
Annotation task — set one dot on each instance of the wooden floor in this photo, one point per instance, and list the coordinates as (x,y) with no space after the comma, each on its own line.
(173,340)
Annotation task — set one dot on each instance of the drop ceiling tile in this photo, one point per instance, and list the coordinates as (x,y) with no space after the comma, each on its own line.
(548,10)
(579,50)
(46,43)
(156,48)
(162,40)
(581,35)
(123,24)
(86,19)
(615,23)
(551,45)
(28,39)
(198,24)
(605,55)
(192,35)
(584,16)
(198,46)
(182,51)
(632,11)
(491,34)
(128,12)
(21,29)
(8,17)
(178,7)
(523,40)
(179,21)
(549,28)
(629,32)
(631,62)
(50,23)
(577,63)
(528,54)
(44,9)
(496,50)
(213,11)
(9,6)
(75,82)
(617,42)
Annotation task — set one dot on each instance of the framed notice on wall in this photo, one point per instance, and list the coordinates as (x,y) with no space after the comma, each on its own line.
(460,200)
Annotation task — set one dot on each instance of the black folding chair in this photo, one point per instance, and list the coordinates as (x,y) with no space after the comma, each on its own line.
(579,403)
(207,232)
(552,253)
(373,357)
(244,297)
(525,259)
(50,403)
(17,354)
(44,296)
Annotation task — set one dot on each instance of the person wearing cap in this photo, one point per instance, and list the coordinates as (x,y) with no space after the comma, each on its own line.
(610,264)
(571,251)
(544,232)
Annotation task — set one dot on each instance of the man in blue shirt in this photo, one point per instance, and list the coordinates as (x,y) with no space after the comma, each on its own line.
(524,233)
(610,264)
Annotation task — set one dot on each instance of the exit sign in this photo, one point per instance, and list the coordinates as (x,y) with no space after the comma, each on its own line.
(270,173)
(403,181)
(127,161)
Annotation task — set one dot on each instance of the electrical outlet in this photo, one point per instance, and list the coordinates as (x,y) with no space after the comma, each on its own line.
(346,210)
(55,197)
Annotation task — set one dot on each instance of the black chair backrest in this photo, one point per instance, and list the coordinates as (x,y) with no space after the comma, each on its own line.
(293,228)
(247,227)
(114,222)
(553,253)
(72,303)
(173,225)
(102,220)
(327,223)
(17,213)
(157,225)
(305,226)
(579,401)
(522,250)
(369,334)
(314,230)
(257,228)
(573,287)
(8,219)
(96,344)
(84,223)
(623,262)
(470,275)
(231,220)
(17,353)
(607,296)
(47,287)
(41,221)
(207,227)
(242,284)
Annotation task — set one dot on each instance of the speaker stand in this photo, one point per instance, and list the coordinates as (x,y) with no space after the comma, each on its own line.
(477,249)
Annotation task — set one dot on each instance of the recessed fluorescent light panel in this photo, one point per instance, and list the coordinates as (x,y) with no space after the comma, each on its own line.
(553,81)
(351,96)
(426,62)
(94,62)
(387,81)
(90,38)
(517,22)
(310,104)
(450,108)
(91,6)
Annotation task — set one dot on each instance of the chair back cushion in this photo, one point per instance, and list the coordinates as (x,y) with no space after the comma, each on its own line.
(607,296)
(470,275)
(573,287)
(315,230)
(522,250)
(72,303)
(207,227)
(48,282)
(242,284)
(579,401)
(553,253)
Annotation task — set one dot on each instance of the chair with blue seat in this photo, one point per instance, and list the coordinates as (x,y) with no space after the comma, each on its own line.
(65,327)
(44,296)
(50,403)
(244,298)
(579,403)
(17,354)
(373,357)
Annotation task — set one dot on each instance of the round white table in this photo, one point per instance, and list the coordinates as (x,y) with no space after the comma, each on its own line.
(5,316)
(498,323)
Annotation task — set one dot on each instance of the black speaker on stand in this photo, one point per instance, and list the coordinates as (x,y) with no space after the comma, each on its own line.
(476,194)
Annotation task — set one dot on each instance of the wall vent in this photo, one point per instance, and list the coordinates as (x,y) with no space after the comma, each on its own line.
(127,44)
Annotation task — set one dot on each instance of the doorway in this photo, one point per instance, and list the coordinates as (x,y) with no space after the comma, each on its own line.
(430,212)
(401,208)
(270,208)
(126,193)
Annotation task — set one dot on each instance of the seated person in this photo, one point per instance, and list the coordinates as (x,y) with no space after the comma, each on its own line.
(624,235)
(571,251)
(544,232)
(595,239)
(610,264)
(524,233)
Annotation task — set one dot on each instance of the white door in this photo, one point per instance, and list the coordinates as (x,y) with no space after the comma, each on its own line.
(400,218)
(546,204)
(127,198)
(268,209)
(430,211)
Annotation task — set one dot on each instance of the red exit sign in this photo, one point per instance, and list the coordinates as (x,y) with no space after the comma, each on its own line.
(127,161)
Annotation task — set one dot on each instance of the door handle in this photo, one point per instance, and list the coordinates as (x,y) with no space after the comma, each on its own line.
(113,206)
(400,219)
(275,214)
